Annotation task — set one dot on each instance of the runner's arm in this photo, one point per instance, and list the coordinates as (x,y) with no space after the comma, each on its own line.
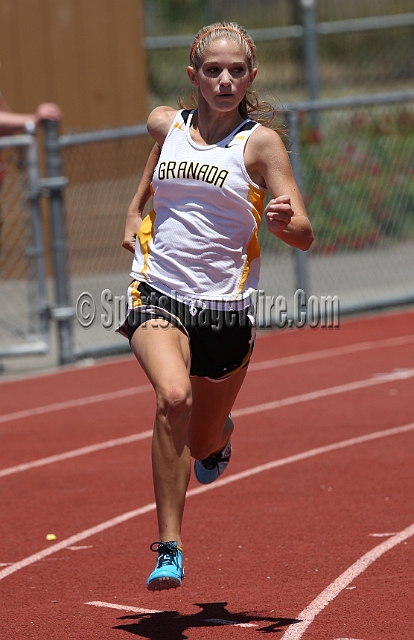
(158,124)
(140,199)
(285,214)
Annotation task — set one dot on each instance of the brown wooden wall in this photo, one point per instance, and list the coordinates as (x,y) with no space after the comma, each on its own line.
(86,55)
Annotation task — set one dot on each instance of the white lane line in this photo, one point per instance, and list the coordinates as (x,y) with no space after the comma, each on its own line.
(73,540)
(330,391)
(121,607)
(400,374)
(74,453)
(256,366)
(331,353)
(78,402)
(79,547)
(233,623)
(308,615)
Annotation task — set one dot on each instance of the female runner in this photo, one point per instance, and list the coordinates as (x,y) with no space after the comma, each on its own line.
(196,265)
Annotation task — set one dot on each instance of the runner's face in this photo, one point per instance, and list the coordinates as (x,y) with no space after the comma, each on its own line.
(223,77)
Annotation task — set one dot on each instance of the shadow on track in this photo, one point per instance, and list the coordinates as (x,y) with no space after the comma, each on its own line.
(172,625)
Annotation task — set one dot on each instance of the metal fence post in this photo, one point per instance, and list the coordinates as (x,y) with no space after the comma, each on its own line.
(55,183)
(294,135)
(37,251)
(310,45)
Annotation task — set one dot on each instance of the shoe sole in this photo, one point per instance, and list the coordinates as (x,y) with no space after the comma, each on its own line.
(204,477)
(159,584)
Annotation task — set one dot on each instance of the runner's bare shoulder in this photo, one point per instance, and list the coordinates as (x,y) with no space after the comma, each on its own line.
(159,122)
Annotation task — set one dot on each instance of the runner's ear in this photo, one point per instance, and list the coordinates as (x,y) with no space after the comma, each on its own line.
(192,74)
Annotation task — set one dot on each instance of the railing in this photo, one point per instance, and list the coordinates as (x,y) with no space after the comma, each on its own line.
(311,57)
(24,310)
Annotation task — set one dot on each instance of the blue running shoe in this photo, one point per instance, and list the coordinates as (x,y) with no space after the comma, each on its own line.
(211,468)
(169,571)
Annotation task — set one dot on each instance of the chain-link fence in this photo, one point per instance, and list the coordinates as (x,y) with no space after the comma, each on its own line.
(167,17)
(24,307)
(354,161)
(347,48)
(104,169)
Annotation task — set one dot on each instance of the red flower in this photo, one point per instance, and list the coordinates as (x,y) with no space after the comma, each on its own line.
(314,137)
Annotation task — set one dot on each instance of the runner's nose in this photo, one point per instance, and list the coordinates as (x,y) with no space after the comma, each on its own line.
(225,79)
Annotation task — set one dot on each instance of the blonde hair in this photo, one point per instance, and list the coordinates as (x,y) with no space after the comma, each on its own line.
(251,106)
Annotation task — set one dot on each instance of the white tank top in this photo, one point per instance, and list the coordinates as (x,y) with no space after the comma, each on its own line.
(200,242)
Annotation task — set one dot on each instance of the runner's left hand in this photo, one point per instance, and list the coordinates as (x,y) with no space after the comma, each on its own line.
(278,214)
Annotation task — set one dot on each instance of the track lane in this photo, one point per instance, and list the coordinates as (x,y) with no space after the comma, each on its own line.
(75,476)
(332,591)
(222,482)
(198,490)
(296,505)
(397,375)
(289,556)
(275,363)
(58,422)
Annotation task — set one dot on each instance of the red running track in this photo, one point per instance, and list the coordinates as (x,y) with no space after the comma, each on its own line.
(309,533)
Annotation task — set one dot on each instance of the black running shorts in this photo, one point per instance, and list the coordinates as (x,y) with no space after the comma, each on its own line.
(221,342)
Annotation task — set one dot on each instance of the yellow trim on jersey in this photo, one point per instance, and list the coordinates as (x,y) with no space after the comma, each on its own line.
(145,235)
(256,198)
(253,251)
(178,126)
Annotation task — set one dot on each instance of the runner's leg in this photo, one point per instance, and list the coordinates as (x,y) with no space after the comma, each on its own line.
(164,354)
(210,428)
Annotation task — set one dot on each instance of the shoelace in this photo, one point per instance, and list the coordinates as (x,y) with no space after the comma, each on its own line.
(167,553)
(213,460)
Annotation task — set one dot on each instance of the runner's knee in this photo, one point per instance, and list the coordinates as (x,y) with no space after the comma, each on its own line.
(174,399)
